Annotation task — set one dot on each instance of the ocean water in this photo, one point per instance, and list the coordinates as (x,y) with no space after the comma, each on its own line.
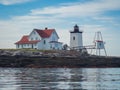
(59,78)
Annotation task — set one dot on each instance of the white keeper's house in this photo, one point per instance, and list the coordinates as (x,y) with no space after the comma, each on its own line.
(46,39)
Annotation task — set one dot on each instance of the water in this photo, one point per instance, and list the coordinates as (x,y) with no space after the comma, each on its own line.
(59,78)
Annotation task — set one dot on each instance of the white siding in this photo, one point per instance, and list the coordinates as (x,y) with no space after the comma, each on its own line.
(60,46)
(76,40)
(100,45)
(44,44)
(26,46)
(57,46)
(34,36)
(54,37)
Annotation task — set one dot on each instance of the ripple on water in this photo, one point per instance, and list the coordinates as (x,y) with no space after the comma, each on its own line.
(59,78)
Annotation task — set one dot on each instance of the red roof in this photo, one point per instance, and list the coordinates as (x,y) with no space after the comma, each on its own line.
(45,33)
(25,40)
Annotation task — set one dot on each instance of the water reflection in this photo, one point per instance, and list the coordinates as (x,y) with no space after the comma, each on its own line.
(59,78)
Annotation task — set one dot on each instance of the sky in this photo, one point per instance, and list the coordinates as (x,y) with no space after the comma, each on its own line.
(20,17)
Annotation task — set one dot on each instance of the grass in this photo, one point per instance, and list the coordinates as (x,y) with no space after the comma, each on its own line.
(32,50)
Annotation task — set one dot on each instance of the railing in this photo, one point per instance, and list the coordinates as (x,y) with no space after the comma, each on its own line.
(84,47)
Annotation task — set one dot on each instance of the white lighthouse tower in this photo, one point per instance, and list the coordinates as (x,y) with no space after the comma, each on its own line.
(76,41)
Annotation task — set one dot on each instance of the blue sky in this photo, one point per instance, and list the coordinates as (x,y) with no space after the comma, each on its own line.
(20,17)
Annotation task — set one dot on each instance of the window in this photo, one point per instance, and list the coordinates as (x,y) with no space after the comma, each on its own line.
(73,38)
(31,39)
(56,45)
(34,32)
(50,46)
(36,38)
(44,42)
(32,46)
(22,45)
(18,46)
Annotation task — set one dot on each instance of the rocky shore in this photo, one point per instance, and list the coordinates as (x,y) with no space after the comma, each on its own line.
(46,59)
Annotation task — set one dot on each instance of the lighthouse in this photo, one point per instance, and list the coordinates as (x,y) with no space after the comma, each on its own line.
(99,43)
(76,41)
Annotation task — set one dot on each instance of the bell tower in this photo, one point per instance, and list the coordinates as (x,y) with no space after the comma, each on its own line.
(76,38)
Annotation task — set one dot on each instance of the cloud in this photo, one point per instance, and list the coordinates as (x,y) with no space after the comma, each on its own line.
(105,19)
(93,27)
(79,9)
(10,2)
(59,14)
